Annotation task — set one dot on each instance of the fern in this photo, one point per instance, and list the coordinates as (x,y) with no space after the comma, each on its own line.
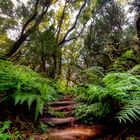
(29,98)
(23,85)
(91,93)
(121,93)
(125,62)
(88,113)
(4,126)
(135,70)
(129,112)
(39,107)
(91,75)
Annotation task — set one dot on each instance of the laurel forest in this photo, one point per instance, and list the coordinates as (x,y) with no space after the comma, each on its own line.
(69,69)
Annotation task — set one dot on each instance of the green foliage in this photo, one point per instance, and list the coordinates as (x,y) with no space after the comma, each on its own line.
(55,113)
(7,7)
(119,97)
(92,75)
(31,138)
(89,93)
(62,87)
(43,127)
(7,133)
(125,62)
(132,138)
(25,86)
(125,89)
(129,112)
(93,112)
(4,126)
(135,70)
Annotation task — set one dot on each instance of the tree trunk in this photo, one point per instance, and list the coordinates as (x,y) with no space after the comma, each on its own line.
(16,45)
(138,26)
(59,62)
(68,75)
(25,33)
(54,63)
(43,65)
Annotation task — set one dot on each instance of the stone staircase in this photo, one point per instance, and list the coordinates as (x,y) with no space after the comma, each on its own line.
(65,125)
(60,112)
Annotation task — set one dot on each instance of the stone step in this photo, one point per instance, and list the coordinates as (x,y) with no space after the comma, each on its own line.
(76,133)
(62,108)
(59,121)
(65,113)
(61,103)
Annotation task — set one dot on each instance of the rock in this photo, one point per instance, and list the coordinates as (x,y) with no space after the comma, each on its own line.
(67,113)
(61,108)
(61,103)
(59,121)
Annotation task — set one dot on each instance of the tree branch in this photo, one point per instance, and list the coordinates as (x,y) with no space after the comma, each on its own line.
(74,25)
(75,37)
(31,18)
(24,34)
(61,21)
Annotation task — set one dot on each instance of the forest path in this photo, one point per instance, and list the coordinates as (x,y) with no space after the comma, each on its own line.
(64,125)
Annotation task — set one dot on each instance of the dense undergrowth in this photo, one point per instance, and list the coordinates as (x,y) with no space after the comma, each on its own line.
(20,85)
(114,96)
(116,99)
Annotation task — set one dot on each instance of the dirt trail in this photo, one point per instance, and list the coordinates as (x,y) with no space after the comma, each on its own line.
(66,127)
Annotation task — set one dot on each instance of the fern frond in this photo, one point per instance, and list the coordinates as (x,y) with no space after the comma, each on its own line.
(25,86)
(97,110)
(20,98)
(129,112)
(39,107)
(121,92)
(31,99)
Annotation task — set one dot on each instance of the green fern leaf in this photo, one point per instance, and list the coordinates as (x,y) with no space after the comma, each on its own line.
(129,112)
(39,107)
(30,99)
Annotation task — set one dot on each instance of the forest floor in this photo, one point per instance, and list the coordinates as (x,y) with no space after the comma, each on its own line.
(67,127)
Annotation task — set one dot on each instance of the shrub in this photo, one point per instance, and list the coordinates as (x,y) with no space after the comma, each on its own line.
(92,75)
(22,85)
(118,97)
(125,62)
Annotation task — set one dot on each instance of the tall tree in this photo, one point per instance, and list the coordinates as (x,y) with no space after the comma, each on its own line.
(31,24)
(60,19)
(103,39)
